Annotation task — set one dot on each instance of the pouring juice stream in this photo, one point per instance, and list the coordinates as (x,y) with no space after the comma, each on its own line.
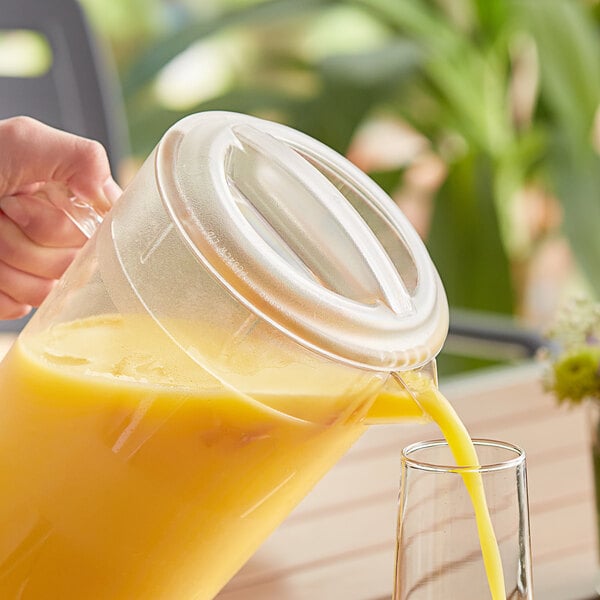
(437,407)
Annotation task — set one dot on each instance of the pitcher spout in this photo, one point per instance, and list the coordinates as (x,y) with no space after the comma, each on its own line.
(398,400)
(428,370)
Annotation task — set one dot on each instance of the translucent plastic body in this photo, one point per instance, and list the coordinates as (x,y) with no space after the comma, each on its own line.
(214,349)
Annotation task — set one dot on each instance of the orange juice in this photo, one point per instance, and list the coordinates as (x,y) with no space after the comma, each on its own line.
(129,473)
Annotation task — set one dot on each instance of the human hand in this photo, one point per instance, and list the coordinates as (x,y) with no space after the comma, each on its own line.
(37,240)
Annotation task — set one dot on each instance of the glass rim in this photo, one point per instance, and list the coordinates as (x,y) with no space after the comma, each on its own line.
(516,460)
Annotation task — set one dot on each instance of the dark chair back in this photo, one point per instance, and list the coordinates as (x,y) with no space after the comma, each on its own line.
(78,93)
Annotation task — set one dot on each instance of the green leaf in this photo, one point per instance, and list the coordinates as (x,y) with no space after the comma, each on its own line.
(492,16)
(422,20)
(464,239)
(387,180)
(569,52)
(386,66)
(345,97)
(333,116)
(569,56)
(577,180)
(466,77)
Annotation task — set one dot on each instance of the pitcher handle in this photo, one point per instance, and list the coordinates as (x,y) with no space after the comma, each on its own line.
(83,215)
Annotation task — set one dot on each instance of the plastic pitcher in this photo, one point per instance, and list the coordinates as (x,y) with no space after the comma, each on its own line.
(217,345)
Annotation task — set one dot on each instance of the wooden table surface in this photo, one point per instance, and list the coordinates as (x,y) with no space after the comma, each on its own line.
(339,543)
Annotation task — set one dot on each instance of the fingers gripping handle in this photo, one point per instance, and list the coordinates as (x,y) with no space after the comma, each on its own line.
(83,215)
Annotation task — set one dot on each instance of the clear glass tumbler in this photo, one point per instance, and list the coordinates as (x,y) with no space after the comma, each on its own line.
(439,553)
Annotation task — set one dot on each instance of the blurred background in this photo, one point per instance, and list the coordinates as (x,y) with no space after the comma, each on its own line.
(479,117)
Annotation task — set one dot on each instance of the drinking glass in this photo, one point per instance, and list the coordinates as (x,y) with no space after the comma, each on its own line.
(439,554)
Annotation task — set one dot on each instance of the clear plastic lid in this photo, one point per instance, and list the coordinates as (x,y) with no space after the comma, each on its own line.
(303,239)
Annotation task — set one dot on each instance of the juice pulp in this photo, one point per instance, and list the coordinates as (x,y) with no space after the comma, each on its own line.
(127,472)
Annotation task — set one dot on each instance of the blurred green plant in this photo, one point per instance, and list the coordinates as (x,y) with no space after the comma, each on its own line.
(506,92)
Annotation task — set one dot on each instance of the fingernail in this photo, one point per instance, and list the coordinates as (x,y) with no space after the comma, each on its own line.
(14,210)
(111,190)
